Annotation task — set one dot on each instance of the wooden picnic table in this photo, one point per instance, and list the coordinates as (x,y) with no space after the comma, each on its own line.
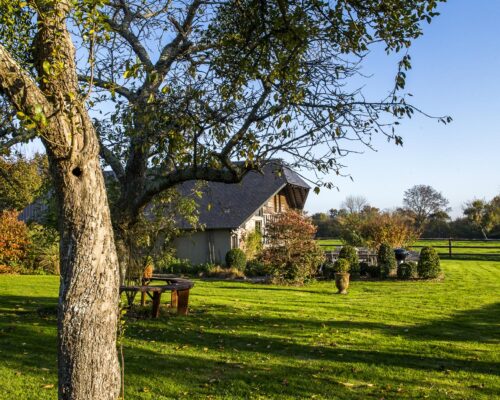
(178,287)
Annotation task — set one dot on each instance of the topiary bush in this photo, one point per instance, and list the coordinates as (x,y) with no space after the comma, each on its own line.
(257,268)
(407,270)
(328,270)
(363,268)
(350,254)
(386,260)
(428,266)
(236,258)
(373,271)
(341,265)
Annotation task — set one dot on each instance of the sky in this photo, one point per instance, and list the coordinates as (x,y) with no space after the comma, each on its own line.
(456,72)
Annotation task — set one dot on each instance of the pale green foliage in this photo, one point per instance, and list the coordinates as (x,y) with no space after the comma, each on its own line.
(151,237)
(21,181)
(43,251)
(252,244)
(482,214)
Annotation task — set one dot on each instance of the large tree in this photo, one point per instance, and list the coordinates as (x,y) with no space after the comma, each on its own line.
(422,202)
(180,90)
(483,214)
(354,204)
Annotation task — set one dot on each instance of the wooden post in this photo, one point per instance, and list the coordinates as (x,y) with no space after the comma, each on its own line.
(174,299)
(449,247)
(183,299)
(156,304)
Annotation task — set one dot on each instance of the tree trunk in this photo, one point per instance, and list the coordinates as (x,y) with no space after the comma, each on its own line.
(88,294)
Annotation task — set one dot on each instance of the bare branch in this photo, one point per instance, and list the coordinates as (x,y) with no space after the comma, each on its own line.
(179,44)
(111,86)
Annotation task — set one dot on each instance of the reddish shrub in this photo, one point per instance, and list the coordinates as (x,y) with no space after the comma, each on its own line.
(14,241)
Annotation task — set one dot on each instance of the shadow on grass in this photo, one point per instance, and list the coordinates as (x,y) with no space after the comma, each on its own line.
(475,325)
(222,349)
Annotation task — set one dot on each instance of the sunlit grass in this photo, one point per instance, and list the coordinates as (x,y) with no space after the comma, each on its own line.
(437,340)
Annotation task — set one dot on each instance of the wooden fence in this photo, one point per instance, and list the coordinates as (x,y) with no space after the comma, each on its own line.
(452,247)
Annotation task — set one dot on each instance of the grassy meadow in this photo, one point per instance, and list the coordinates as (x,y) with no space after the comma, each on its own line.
(486,250)
(385,339)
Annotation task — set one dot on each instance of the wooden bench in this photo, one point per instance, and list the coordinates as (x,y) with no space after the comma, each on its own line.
(178,287)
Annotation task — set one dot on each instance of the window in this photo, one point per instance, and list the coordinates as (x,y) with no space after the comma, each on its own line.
(234,241)
(258,226)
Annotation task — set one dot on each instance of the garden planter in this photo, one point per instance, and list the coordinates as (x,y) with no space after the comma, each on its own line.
(342,282)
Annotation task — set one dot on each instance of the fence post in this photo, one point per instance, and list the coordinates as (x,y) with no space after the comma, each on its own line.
(449,247)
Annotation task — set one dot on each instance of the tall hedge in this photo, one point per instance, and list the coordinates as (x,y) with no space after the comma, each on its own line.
(428,266)
(386,260)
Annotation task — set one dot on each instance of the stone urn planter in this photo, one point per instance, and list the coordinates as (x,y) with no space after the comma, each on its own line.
(342,281)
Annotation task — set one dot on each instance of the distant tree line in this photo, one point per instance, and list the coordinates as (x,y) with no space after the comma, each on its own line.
(423,214)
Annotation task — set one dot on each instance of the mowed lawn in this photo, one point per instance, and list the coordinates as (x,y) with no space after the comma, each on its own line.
(384,340)
(491,248)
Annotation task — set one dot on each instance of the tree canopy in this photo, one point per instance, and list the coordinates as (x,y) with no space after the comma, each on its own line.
(422,202)
(192,87)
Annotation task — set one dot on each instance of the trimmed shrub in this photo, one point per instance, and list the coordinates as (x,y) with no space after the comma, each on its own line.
(341,265)
(363,268)
(350,254)
(428,265)
(373,271)
(236,258)
(328,270)
(386,260)
(257,268)
(407,270)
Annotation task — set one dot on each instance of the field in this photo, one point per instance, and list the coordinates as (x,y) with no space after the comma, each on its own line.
(484,250)
(390,340)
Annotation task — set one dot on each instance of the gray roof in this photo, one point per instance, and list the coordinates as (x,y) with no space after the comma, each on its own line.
(224,206)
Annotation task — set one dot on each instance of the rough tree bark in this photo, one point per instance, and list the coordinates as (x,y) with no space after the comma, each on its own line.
(88,295)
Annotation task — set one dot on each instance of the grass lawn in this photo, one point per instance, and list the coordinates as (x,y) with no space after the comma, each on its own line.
(390,340)
(483,252)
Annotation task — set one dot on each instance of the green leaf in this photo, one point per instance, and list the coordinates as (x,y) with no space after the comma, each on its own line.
(46,67)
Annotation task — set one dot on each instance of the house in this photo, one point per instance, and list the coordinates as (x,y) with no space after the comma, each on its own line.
(229,211)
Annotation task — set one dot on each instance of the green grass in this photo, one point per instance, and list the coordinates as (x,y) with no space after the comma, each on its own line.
(391,340)
(482,253)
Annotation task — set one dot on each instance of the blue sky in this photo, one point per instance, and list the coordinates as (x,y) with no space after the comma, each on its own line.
(456,72)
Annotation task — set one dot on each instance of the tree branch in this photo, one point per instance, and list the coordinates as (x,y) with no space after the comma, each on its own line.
(172,50)
(235,139)
(176,177)
(109,157)
(133,41)
(111,86)
(25,95)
